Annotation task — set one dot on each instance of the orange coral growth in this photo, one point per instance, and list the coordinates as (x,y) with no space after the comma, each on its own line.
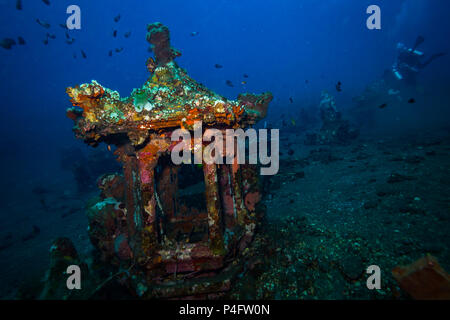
(238,111)
(149,153)
(151,65)
(86,97)
(424,279)
(81,93)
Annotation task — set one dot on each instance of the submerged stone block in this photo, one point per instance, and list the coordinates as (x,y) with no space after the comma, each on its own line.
(424,279)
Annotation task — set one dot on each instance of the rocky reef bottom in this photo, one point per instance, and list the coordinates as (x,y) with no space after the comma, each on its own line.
(332,211)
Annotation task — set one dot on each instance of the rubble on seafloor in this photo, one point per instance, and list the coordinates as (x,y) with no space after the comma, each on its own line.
(147,236)
(330,220)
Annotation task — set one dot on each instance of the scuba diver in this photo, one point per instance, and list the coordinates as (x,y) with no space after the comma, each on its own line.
(409,61)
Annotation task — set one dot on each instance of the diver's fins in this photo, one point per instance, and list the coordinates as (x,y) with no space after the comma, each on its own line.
(432,58)
(419,41)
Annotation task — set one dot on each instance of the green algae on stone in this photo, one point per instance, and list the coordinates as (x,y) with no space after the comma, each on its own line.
(141,101)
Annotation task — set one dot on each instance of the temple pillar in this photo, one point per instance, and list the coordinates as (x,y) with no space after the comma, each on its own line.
(213,206)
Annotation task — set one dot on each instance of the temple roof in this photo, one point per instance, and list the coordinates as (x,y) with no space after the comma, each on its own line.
(167,100)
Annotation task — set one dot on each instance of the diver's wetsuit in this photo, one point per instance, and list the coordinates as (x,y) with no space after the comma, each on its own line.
(409,63)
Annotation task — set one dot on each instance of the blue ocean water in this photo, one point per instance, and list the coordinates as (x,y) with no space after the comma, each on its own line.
(295,49)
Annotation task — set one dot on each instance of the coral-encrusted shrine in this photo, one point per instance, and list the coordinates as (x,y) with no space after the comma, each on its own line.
(172,244)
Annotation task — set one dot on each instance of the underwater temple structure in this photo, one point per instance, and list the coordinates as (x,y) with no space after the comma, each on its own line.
(176,230)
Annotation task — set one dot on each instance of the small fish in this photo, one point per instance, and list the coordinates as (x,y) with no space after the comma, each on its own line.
(118,50)
(245,75)
(229,83)
(109,147)
(338,86)
(70,41)
(218,66)
(115,33)
(21,40)
(51,36)
(63,25)
(127,34)
(291,100)
(36,230)
(67,35)
(117,18)
(83,54)
(110,53)
(194,33)
(7,43)
(384,105)
(243,82)
(45,41)
(74,55)
(293,122)
(47,2)
(306,81)
(411,100)
(19,4)
(44,24)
